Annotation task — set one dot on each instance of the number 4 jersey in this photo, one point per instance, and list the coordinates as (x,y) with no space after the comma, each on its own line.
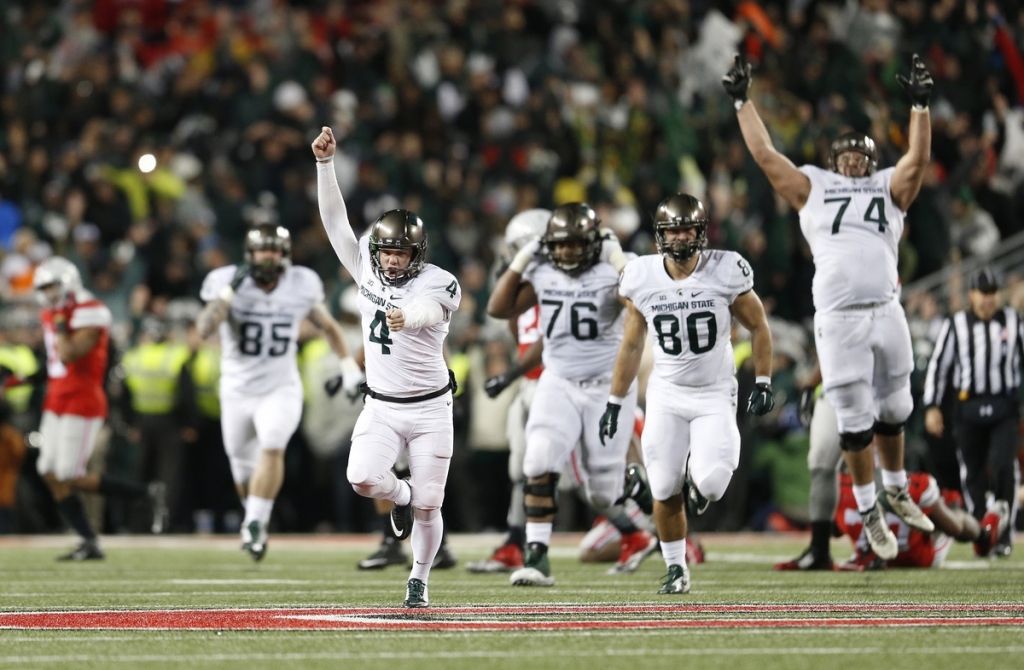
(410,362)
(258,339)
(853,228)
(689,318)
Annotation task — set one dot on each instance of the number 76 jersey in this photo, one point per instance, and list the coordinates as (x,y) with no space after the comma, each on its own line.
(689,319)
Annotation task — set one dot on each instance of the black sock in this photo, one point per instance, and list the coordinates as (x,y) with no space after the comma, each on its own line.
(73,512)
(821,535)
(516,536)
(109,486)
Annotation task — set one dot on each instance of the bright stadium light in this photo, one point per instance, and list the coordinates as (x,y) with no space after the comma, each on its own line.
(147,163)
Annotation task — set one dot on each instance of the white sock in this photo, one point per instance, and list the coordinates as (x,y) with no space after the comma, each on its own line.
(865,496)
(674,552)
(897,478)
(427,531)
(258,509)
(402,493)
(538,532)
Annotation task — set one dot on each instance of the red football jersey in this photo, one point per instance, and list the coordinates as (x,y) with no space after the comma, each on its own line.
(77,388)
(916,549)
(529,332)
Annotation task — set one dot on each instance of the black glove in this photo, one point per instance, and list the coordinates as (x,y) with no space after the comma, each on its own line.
(919,86)
(241,272)
(498,383)
(807,398)
(609,421)
(333,385)
(737,80)
(761,400)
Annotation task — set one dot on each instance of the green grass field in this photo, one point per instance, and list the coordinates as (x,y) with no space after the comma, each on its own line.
(319,572)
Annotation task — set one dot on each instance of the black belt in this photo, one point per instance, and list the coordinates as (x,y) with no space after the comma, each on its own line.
(452,386)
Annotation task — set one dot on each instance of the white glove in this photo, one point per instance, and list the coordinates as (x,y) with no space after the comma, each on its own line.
(351,376)
(611,250)
(529,253)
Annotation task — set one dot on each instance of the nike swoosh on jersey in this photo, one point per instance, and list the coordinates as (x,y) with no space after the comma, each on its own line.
(394,297)
(694,294)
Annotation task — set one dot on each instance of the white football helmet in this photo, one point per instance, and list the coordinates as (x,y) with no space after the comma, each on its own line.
(524,226)
(59,272)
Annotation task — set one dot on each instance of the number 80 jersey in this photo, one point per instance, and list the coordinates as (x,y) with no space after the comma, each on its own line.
(689,319)
(258,339)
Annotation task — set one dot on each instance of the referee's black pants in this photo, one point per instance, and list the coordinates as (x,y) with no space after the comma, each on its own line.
(987,435)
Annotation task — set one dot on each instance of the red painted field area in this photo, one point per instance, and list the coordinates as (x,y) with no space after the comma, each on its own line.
(524,618)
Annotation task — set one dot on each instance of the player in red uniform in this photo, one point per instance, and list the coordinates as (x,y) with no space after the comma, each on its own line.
(918,549)
(76,334)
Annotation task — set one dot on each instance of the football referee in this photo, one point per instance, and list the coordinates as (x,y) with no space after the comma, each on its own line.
(982,346)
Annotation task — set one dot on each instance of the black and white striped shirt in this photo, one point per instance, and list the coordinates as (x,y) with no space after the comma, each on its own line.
(975,357)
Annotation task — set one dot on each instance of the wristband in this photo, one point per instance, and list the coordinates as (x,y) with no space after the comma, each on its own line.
(920,108)
(763,379)
(738,104)
(325,159)
(349,366)
(615,400)
(227,294)
(618,259)
(519,263)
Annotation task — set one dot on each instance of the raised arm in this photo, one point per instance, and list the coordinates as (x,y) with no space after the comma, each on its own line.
(512,296)
(906,179)
(332,205)
(791,184)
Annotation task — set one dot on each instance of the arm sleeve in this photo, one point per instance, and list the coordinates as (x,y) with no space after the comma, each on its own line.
(1014,62)
(214,282)
(439,301)
(629,280)
(335,217)
(93,315)
(940,364)
(741,279)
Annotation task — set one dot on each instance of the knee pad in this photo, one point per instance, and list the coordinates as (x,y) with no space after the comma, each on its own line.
(548,490)
(895,408)
(890,429)
(713,485)
(428,497)
(858,441)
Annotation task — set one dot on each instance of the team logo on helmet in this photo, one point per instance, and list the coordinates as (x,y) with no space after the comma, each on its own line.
(681,211)
(572,241)
(856,142)
(268,236)
(398,229)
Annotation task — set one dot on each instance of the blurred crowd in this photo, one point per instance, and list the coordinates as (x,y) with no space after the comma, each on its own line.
(141,139)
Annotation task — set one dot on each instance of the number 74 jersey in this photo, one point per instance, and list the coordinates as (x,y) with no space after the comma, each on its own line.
(689,319)
(853,228)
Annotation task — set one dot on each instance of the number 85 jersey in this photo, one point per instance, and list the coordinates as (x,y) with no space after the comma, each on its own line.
(689,319)
(258,339)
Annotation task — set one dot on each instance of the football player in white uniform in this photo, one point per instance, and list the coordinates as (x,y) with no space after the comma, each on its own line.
(406,305)
(852,217)
(258,307)
(521,229)
(688,297)
(571,273)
